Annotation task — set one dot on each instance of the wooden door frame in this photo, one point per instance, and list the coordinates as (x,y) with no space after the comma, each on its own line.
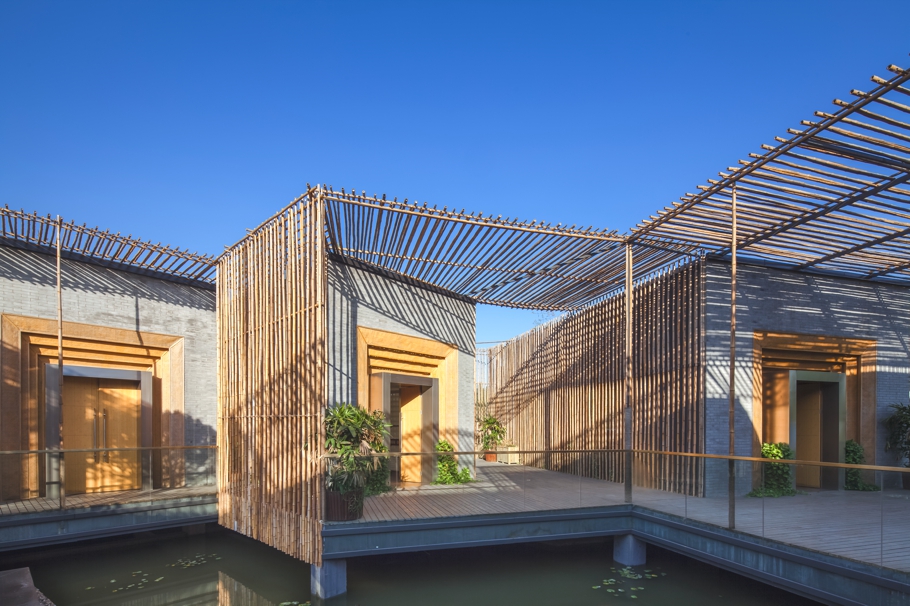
(859,353)
(809,376)
(53,416)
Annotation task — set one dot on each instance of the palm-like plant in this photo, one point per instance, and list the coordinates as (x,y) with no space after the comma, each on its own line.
(353,434)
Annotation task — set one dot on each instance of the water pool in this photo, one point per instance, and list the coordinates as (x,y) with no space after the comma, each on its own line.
(227,569)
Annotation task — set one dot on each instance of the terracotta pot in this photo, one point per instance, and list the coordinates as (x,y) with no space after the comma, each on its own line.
(343,507)
(489,457)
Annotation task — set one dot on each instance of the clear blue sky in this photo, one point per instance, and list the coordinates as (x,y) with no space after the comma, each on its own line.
(187,122)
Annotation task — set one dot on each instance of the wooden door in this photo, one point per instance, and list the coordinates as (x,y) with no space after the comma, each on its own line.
(411,428)
(101,413)
(120,402)
(808,433)
(80,409)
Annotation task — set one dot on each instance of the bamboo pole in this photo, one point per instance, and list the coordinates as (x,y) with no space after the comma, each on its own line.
(61,487)
(731,479)
(627,412)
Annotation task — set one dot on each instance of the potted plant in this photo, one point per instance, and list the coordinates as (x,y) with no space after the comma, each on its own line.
(353,434)
(492,433)
(898,440)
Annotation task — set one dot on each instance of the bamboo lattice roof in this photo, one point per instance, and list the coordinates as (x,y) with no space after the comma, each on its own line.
(832,198)
(92,244)
(488,259)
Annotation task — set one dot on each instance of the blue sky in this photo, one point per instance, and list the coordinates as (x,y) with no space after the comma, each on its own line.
(187,122)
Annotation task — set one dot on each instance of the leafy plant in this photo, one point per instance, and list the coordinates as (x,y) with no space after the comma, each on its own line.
(854,454)
(492,433)
(448,472)
(898,426)
(354,434)
(777,478)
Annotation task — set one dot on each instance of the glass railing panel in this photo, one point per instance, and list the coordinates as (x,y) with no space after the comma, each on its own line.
(810,508)
(708,500)
(895,503)
(602,483)
(660,482)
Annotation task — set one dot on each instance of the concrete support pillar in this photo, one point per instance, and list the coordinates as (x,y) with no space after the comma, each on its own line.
(330,579)
(629,550)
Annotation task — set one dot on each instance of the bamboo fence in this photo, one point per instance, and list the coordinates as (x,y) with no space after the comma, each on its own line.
(272,368)
(560,386)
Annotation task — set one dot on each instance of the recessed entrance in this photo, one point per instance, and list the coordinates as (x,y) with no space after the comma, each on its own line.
(102,408)
(411,404)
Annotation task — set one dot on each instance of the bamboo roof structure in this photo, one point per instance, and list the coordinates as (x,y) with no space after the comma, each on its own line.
(31,231)
(833,198)
(494,260)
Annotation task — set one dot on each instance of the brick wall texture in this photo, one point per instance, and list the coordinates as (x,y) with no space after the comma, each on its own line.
(119,299)
(775,300)
(361,298)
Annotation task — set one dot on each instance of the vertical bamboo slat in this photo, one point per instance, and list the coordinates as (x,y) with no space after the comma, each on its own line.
(271,381)
(559,386)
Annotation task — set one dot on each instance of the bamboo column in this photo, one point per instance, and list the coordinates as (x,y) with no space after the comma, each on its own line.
(60,359)
(731,479)
(627,412)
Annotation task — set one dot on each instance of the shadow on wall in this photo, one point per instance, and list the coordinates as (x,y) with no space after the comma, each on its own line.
(791,302)
(39,269)
(359,297)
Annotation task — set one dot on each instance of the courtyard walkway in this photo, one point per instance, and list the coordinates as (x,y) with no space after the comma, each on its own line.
(871,527)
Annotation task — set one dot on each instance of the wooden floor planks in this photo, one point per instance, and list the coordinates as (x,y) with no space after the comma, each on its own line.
(42,504)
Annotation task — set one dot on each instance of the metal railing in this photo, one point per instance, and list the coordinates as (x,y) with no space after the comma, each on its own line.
(861,512)
(37,479)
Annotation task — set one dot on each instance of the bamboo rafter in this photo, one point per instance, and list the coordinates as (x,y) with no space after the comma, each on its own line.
(33,231)
(526,264)
(832,198)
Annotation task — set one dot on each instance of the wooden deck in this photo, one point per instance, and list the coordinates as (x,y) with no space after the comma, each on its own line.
(42,504)
(871,527)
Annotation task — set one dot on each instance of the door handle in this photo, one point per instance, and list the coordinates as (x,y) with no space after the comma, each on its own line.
(95,435)
(107,455)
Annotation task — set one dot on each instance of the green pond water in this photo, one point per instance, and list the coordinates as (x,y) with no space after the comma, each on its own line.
(203,569)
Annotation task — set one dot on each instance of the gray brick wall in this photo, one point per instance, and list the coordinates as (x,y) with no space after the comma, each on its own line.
(118,299)
(361,298)
(770,299)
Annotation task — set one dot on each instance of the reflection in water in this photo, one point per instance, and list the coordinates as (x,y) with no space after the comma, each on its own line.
(224,569)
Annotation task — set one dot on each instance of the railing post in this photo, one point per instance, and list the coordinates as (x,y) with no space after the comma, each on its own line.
(62,485)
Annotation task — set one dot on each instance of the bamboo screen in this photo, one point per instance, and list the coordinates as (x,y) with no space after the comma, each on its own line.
(560,386)
(271,362)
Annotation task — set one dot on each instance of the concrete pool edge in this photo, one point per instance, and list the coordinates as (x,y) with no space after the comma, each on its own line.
(823,577)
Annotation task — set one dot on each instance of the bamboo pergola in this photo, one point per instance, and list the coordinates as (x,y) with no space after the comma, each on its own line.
(32,231)
(832,198)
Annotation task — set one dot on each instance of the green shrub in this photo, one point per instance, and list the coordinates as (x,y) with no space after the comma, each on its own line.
(854,454)
(898,426)
(353,433)
(448,472)
(777,480)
